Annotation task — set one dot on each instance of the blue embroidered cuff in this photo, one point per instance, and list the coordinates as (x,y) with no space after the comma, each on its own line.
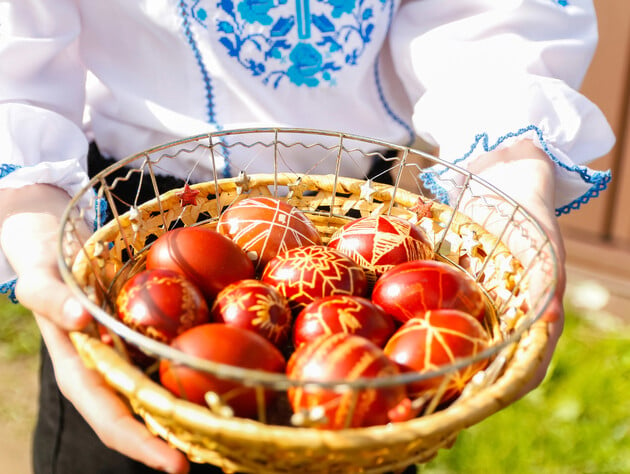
(9,290)
(6,169)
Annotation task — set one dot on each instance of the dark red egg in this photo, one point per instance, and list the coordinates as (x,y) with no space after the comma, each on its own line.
(411,289)
(304,274)
(343,313)
(208,259)
(344,357)
(378,243)
(264,227)
(161,304)
(256,306)
(228,345)
(439,339)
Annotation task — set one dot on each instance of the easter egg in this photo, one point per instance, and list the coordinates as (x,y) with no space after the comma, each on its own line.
(264,227)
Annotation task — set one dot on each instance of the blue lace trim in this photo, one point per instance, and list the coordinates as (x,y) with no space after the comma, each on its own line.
(598,179)
(9,290)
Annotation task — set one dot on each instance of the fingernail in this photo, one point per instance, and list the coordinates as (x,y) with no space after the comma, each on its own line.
(74,312)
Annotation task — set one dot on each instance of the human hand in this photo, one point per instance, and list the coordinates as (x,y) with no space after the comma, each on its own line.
(526,174)
(30,220)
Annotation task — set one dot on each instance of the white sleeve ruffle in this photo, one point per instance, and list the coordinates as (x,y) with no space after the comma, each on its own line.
(20,165)
(42,97)
(483,74)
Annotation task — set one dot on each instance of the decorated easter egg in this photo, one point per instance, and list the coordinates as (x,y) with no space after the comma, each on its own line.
(257,306)
(436,340)
(411,289)
(343,313)
(344,357)
(161,304)
(264,227)
(378,243)
(304,274)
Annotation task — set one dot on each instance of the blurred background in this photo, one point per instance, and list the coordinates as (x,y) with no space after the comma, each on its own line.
(578,420)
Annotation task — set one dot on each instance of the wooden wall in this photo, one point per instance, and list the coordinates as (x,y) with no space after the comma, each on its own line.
(598,235)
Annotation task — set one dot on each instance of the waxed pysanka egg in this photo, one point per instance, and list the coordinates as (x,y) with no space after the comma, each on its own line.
(378,243)
(161,304)
(343,313)
(257,306)
(346,357)
(304,274)
(438,339)
(411,289)
(264,227)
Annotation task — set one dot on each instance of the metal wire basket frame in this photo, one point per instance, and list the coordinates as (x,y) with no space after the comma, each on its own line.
(517,298)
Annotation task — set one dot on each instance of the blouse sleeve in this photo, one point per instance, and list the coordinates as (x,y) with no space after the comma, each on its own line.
(483,73)
(41,100)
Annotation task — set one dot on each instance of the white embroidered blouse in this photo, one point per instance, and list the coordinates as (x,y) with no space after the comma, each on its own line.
(474,74)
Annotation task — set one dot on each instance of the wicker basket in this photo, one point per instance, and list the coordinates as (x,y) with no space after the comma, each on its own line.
(96,267)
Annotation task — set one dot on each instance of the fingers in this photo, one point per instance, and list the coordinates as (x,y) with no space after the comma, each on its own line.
(554,317)
(29,236)
(42,291)
(103,410)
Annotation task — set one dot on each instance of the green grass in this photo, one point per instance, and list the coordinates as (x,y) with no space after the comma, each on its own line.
(19,335)
(577,421)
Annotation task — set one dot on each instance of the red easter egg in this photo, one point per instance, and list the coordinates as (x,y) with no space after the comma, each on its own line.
(161,304)
(378,243)
(223,344)
(257,306)
(343,313)
(264,227)
(304,274)
(411,289)
(344,357)
(208,259)
(439,338)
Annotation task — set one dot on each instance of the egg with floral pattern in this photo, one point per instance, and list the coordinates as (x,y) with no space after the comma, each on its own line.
(304,274)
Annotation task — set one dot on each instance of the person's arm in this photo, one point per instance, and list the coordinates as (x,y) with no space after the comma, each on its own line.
(30,219)
(527,175)
(496,85)
(483,75)
(42,162)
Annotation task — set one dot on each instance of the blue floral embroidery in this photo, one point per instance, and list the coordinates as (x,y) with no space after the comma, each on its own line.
(253,11)
(562,3)
(304,42)
(597,179)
